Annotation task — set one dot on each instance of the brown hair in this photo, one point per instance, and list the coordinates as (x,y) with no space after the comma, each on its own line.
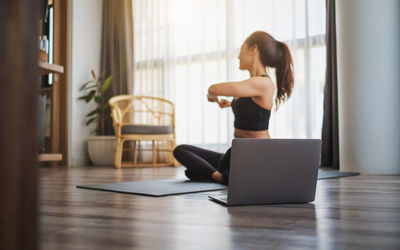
(275,54)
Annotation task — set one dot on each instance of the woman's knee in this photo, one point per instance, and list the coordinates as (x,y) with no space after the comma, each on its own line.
(179,150)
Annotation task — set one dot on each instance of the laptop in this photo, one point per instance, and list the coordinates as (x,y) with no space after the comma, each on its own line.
(272,171)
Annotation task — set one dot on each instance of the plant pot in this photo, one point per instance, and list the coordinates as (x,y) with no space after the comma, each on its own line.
(101,150)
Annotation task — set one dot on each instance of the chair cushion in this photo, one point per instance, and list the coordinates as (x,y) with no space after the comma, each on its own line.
(146,129)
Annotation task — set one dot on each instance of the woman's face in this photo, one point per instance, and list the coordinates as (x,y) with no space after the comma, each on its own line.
(245,57)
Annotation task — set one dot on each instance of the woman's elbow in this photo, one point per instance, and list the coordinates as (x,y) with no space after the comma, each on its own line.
(211,90)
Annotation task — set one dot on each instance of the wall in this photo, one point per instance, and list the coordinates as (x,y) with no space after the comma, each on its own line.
(368,38)
(85,44)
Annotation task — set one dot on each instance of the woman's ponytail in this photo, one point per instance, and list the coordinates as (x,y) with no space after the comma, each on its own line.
(276,55)
(284,74)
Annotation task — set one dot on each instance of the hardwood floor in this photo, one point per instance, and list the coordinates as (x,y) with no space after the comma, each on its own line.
(361,212)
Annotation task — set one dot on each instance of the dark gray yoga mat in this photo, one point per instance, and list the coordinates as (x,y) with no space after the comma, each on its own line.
(157,188)
(331,174)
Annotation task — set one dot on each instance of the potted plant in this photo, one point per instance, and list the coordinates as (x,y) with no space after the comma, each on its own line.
(101,148)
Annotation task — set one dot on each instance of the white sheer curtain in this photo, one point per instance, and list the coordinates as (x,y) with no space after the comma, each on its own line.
(183,46)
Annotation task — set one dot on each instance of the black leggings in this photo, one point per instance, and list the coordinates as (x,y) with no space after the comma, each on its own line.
(202,163)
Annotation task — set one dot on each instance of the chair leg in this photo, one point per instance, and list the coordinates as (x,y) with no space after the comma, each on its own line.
(118,153)
(134,153)
(153,147)
(140,156)
(174,162)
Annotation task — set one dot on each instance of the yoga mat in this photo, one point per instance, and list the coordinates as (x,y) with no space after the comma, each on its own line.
(330,174)
(157,188)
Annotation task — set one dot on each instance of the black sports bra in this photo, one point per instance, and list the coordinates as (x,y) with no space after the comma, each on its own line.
(249,115)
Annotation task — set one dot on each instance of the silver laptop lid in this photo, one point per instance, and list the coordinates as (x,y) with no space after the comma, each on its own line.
(270,171)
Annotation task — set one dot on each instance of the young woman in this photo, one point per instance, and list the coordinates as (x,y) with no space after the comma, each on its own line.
(251,104)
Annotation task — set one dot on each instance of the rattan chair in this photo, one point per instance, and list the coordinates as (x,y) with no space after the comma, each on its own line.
(143,119)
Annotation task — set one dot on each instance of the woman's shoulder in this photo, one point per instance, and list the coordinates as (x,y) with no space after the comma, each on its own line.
(262,81)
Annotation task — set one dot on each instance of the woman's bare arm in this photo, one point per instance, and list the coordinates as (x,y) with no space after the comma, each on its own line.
(255,86)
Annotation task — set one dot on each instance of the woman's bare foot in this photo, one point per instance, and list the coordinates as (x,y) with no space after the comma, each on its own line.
(217,176)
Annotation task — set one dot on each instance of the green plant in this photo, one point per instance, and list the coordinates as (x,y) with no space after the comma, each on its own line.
(95,90)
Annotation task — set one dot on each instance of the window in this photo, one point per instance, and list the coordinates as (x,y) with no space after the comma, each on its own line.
(183,46)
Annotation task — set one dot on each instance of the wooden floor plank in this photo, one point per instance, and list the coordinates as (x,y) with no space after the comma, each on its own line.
(349,213)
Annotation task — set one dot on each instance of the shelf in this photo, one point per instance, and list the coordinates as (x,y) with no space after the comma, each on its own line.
(44,69)
(50,157)
(45,91)
(47,68)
